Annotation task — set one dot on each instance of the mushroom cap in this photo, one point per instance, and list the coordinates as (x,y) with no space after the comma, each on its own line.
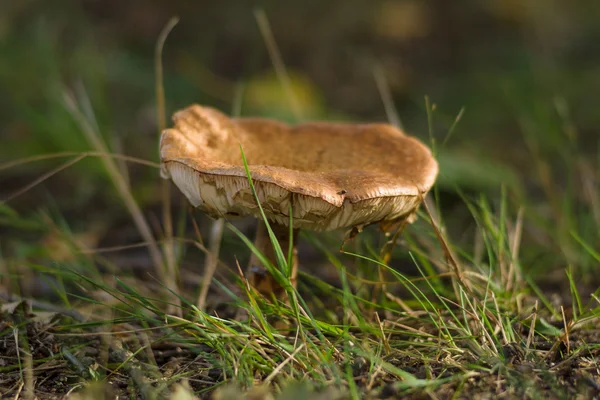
(334,175)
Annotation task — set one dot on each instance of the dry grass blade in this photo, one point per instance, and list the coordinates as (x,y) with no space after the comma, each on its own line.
(28,379)
(386,97)
(109,249)
(159,87)
(117,144)
(567,330)
(276,371)
(267,34)
(42,178)
(211,261)
(500,324)
(65,154)
(531,334)
(514,273)
(123,190)
(169,245)
(590,182)
(450,257)
(23,353)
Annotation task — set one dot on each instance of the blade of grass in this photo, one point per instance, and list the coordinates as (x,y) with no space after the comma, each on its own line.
(158,66)
(41,179)
(278,64)
(290,255)
(124,192)
(211,260)
(169,244)
(586,246)
(386,97)
(85,154)
(281,260)
(453,126)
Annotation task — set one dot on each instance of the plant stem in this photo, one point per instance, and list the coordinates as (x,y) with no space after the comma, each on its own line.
(258,275)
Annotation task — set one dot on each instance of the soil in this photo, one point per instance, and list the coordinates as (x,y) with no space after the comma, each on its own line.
(64,359)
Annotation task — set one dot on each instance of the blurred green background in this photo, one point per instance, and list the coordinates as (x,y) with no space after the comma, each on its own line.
(525,73)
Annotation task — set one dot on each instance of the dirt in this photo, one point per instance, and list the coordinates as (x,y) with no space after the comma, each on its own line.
(65,358)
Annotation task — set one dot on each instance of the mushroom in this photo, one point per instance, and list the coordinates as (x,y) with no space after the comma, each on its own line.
(333,175)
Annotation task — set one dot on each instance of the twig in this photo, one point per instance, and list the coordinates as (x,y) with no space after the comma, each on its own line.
(74,361)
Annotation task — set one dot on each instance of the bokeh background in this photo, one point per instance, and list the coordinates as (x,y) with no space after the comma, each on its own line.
(523,75)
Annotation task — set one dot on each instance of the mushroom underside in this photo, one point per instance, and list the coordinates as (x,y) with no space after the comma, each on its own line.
(221,195)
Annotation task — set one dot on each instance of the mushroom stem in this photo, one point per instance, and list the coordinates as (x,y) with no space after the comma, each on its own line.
(258,275)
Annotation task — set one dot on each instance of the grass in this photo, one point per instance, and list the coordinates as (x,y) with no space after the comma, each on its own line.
(440,310)
(445,335)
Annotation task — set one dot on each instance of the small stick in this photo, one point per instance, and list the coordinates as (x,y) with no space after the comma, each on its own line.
(74,361)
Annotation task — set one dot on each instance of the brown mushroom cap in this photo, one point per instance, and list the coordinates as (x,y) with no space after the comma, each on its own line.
(335,175)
